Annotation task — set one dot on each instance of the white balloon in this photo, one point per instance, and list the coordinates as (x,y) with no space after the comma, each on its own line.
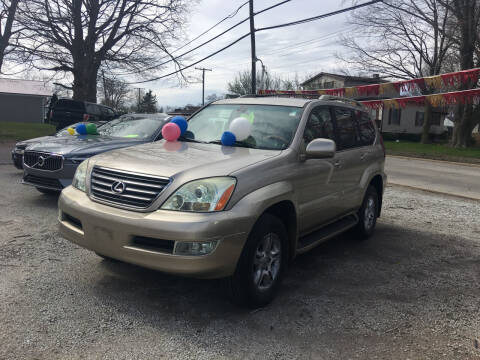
(241,128)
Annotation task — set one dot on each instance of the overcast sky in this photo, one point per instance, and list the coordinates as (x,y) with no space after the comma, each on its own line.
(302,49)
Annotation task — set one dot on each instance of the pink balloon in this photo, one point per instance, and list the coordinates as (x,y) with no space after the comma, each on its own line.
(171,131)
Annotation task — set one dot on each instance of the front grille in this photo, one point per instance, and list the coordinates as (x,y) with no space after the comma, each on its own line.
(139,191)
(43,181)
(147,243)
(42,160)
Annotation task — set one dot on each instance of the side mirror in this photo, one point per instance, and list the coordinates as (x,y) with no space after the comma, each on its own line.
(321,149)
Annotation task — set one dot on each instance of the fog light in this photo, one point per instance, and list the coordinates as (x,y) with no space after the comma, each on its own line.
(194,248)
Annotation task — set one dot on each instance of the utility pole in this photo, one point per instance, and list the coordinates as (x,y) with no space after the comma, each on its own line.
(203,83)
(138,103)
(252,41)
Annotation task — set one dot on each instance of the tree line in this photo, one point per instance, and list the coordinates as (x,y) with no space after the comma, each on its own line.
(76,39)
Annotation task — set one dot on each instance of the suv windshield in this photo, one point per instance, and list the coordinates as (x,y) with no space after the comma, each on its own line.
(273,127)
(133,126)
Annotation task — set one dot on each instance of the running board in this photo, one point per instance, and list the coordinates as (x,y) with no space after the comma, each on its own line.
(327,232)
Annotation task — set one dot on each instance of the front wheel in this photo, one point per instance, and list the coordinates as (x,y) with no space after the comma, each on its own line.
(367,214)
(262,263)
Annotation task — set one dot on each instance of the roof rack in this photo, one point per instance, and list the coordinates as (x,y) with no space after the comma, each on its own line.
(341,99)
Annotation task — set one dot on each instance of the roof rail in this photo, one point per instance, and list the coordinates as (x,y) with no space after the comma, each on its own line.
(341,99)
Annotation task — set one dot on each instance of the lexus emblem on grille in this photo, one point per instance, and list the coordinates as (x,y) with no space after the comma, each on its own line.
(41,161)
(118,187)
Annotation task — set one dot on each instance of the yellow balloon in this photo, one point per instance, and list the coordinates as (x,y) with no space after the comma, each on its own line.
(71,131)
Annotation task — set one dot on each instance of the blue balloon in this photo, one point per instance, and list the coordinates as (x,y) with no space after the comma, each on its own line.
(81,129)
(181,122)
(228,138)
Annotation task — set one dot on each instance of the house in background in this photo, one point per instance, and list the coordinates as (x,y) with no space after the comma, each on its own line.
(408,120)
(23,100)
(325,80)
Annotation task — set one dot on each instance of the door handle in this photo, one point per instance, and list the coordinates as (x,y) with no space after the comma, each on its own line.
(337,163)
(363,156)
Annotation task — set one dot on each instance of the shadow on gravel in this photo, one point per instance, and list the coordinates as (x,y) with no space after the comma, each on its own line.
(399,268)
(44,201)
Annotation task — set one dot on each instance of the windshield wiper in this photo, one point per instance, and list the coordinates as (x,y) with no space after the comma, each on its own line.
(237,143)
(183,138)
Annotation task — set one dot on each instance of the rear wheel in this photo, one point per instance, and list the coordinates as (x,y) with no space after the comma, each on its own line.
(367,214)
(48,191)
(262,263)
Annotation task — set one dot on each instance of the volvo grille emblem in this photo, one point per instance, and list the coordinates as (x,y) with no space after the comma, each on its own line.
(118,187)
(41,161)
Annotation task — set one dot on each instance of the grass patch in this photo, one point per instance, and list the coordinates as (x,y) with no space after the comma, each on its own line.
(23,131)
(433,151)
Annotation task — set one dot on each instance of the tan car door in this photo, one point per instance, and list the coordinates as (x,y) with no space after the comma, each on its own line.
(348,163)
(318,198)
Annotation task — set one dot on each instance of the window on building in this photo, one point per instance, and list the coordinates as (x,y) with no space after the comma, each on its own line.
(329,84)
(419,118)
(394,116)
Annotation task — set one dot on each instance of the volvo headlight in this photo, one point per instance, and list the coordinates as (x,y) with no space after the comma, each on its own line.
(211,194)
(80,177)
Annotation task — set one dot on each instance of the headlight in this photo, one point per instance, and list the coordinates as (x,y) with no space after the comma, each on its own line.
(204,195)
(80,177)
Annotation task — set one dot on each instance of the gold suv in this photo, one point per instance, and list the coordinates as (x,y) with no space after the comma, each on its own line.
(309,170)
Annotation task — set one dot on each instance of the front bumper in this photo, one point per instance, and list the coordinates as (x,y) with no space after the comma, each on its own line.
(110,231)
(17,159)
(52,180)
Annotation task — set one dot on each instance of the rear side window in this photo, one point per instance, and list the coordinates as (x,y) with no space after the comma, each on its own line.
(319,125)
(366,130)
(93,109)
(69,105)
(346,133)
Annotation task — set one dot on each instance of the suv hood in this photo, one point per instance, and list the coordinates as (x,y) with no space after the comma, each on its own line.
(195,159)
(81,145)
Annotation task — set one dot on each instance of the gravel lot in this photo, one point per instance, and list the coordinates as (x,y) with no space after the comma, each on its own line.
(411,292)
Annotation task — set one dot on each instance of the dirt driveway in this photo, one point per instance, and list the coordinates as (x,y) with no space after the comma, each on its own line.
(411,292)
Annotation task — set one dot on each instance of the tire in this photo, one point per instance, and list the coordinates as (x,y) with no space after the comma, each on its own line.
(48,191)
(262,264)
(367,214)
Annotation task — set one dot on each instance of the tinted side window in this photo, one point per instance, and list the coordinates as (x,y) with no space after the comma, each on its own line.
(346,134)
(93,109)
(366,130)
(71,105)
(319,125)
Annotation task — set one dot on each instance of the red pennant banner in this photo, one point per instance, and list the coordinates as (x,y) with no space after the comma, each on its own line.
(367,90)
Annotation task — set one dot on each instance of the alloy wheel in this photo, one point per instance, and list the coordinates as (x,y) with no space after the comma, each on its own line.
(266,265)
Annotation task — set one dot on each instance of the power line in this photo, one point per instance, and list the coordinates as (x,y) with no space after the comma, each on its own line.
(302,21)
(318,17)
(193,64)
(218,23)
(206,42)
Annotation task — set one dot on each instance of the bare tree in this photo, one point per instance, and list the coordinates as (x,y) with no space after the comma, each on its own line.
(466,38)
(8,29)
(403,40)
(242,83)
(115,92)
(77,37)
